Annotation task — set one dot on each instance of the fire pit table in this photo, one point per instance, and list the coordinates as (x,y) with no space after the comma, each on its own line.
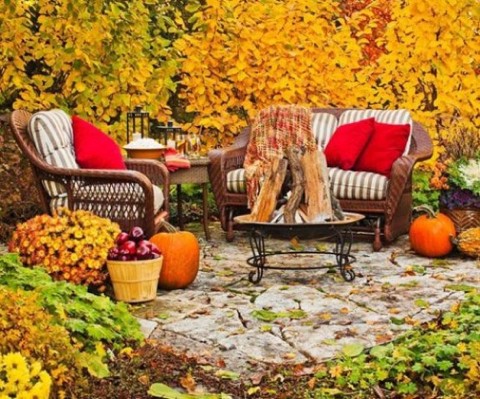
(339,231)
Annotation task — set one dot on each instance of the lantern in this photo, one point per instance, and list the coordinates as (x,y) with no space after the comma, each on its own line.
(138,121)
(168,133)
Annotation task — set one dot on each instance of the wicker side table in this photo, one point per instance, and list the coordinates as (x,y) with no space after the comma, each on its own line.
(196,174)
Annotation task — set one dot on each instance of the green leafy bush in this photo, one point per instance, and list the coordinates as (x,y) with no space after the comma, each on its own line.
(422,192)
(441,360)
(89,318)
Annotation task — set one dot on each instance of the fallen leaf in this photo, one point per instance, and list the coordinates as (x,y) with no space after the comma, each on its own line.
(393,258)
(227,375)
(353,350)
(311,382)
(144,379)
(252,390)
(188,382)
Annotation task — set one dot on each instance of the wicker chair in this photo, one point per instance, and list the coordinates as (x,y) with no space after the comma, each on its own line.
(124,196)
(387,218)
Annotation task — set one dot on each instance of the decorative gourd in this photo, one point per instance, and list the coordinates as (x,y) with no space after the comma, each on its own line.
(431,234)
(468,242)
(181,258)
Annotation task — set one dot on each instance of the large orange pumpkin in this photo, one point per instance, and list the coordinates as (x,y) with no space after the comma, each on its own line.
(181,258)
(431,234)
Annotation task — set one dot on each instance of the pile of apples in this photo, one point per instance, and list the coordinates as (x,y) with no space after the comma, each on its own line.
(133,246)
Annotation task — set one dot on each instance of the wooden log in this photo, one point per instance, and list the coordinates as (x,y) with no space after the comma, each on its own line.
(317,190)
(267,198)
(298,182)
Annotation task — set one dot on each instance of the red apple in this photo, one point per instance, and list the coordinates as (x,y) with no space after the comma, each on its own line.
(143,252)
(128,246)
(121,238)
(136,234)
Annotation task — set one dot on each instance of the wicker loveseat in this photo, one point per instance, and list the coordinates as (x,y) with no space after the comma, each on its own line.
(386,201)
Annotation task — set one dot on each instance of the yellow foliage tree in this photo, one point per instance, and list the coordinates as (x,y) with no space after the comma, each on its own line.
(245,55)
(432,63)
(96,59)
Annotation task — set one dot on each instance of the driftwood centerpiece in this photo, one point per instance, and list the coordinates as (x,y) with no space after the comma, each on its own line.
(281,139)
(309,199)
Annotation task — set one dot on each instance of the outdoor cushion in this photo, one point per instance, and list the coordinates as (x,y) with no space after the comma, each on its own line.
(323,127)
(236,181)
(344,183)
(93,148)
(393,117)
(348,142)
(52,134)
(383,149)
(110,193)
(347,184)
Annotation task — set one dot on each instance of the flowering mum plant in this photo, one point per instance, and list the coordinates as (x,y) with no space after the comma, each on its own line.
(70,245)
(20,379)
(457,170)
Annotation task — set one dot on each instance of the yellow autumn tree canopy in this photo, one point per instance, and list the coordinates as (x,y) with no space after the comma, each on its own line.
(213,64)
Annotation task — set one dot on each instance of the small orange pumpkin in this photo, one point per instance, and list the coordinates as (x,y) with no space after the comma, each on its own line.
(181,258)
(431,234)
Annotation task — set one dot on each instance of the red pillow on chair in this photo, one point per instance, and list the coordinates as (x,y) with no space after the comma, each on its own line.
(347,143)
(386,145)
(93,148)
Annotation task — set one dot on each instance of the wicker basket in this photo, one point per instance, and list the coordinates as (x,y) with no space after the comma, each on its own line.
(463,218)
(135,281)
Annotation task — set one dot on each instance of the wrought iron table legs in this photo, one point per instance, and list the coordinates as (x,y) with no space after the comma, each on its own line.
(343,243)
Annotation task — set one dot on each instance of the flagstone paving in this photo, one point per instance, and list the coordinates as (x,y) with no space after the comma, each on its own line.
(301,317)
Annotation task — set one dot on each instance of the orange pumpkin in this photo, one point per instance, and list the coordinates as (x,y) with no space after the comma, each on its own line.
(181,258)
(431,234)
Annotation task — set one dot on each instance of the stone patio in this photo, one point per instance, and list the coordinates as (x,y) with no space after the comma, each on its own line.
(300,317)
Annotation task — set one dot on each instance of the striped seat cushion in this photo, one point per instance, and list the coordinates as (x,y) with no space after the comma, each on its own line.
(111,192)
(392,117)
(52,134)
(346,184)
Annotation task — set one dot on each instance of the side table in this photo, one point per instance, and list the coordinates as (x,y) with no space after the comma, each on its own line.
(196,174)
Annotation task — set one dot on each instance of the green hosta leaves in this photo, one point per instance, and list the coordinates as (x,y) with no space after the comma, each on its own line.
(165,392)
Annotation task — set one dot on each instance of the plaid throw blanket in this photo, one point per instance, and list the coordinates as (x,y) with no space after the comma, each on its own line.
(274,130)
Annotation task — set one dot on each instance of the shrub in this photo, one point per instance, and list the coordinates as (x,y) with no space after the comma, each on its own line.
(28,329)
(90,319)
(71,245)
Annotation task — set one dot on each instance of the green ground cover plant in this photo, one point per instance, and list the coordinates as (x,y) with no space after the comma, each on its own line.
(89,318)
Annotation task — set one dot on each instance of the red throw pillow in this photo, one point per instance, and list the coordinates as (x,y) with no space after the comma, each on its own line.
(347,143)
(386,145)
(93,148)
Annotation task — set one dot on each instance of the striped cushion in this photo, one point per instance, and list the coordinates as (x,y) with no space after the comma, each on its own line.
(52,135)
(393,117)
(236,181)
(346,184)
(323,127)
(110,193)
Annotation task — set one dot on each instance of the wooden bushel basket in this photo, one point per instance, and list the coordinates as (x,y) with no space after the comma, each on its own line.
(136,280)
